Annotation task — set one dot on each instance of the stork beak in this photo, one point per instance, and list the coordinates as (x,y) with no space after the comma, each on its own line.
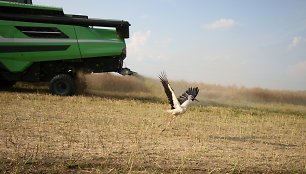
(196,100)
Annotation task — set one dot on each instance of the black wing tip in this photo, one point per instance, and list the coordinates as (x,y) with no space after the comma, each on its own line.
(163,79)
(190,91)
(193,91)
(163,76)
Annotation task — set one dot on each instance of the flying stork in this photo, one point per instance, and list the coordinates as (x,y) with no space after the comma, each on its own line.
(178,105)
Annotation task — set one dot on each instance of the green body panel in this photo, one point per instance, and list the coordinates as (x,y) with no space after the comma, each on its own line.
(19,61)
(95,42)
(82,42)
(15,65)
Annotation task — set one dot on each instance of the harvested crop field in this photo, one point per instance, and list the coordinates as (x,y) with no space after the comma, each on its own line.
(109,132)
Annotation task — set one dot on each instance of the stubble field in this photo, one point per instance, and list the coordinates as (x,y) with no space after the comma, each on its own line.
(118,130)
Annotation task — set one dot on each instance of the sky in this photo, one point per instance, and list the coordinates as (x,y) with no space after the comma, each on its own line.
(246,43)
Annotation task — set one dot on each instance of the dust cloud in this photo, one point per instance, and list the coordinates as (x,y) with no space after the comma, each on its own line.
(110,83)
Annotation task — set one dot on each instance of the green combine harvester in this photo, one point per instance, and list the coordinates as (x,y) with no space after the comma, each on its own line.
(43,44)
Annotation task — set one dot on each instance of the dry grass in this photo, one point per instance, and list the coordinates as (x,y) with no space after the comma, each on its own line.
(115,133)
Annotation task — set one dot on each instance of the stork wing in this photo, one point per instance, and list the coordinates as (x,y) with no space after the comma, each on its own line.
(190,91)
(169,91)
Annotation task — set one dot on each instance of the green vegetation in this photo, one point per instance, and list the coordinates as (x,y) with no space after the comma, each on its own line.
(115,126)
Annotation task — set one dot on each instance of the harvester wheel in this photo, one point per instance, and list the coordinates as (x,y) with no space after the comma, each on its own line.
(63,85)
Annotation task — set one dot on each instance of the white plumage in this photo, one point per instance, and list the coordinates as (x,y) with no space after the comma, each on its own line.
(178,105)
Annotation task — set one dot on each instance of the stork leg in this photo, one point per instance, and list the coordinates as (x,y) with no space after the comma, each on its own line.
(168,124)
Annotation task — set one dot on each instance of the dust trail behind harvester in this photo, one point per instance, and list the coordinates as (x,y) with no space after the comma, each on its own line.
(117,86)
(138,86)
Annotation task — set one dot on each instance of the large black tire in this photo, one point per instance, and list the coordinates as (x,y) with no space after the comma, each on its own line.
(63,85)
